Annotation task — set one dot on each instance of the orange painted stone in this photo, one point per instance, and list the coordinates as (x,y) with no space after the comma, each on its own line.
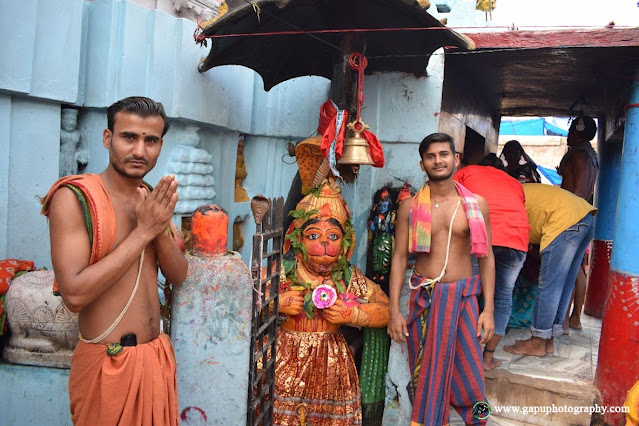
(209,230)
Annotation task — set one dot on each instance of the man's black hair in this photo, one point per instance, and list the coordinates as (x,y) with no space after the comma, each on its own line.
(584,126)
(138,105)
(433,138)
(493,161)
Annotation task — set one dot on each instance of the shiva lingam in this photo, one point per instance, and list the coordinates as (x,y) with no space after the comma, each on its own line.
(355,151)
(211,323)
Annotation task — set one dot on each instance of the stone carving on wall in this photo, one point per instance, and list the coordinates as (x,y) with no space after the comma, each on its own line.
(74,152)
(202,9)
(194,172)
(43,330)
(240,173)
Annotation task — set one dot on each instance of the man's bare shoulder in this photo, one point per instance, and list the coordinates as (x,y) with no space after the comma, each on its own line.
(64,202)
(480,200)
(483,205)
(404,207)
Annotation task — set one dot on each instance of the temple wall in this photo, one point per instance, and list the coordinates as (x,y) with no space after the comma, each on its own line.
(90,54)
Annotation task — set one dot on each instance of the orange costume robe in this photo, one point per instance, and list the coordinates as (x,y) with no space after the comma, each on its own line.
(138,386)
(315,371)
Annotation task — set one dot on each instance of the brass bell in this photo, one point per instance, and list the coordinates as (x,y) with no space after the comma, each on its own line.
(355,150)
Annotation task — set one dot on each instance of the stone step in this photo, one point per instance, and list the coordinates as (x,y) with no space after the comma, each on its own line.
(505,388)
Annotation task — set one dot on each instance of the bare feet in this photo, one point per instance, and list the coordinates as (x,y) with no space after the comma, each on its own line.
(566,326)
(550,347)
(535,346)
(490,362)
(575,323)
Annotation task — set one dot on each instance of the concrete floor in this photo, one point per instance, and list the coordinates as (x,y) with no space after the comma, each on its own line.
(563,378)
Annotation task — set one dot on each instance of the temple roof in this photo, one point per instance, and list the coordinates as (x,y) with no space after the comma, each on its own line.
(544,73)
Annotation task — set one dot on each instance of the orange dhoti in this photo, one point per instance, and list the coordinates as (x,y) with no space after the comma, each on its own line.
(138,386)
(316,369)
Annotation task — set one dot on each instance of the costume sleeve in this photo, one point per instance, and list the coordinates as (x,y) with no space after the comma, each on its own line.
(374,313)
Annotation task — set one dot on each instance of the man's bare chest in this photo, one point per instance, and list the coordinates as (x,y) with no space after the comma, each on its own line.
(442,221)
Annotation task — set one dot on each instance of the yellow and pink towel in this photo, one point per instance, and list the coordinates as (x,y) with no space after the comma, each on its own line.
(420,221)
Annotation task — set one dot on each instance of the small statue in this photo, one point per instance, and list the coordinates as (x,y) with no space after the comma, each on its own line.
(381,225)
(375,351)
(315,374)
(240,173)
(74,153)
(43,330)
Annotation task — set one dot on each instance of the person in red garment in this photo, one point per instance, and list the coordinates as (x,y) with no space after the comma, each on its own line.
(509,225)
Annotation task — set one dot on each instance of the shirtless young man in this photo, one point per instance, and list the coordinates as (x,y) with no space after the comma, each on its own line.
(444,325)
(578,169)
(122,372)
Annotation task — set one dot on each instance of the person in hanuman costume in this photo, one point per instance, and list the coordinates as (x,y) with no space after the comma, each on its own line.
(315,376)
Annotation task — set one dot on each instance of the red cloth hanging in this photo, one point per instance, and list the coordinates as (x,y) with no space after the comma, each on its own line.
(374,148)
(326,126)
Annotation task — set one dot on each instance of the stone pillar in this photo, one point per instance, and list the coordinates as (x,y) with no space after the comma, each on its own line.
(211,326)
(618,363)
(606,202)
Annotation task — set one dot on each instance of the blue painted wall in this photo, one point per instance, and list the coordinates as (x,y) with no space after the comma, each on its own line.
(34,396)
(93,53)
(5,133)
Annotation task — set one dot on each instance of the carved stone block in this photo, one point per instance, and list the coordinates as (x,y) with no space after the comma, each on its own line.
(43,330)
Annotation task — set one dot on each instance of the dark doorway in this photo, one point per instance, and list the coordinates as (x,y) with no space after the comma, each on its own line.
(474,145)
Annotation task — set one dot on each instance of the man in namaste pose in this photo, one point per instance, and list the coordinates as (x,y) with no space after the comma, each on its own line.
(109,233)
(443,224)
(315,375)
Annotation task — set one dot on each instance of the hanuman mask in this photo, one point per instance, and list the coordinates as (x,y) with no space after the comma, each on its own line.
(321,234)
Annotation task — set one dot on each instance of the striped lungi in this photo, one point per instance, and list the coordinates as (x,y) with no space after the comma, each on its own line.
(444,354)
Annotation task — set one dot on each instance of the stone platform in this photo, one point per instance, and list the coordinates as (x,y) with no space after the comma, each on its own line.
(563,378)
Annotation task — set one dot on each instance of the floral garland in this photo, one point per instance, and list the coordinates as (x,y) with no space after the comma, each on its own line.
(341,272)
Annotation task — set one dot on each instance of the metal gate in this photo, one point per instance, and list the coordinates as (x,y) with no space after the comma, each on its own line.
(266,263)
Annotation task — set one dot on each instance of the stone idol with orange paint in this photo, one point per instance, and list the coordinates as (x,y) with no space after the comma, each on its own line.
(209,230)
(315,378)
(211,324)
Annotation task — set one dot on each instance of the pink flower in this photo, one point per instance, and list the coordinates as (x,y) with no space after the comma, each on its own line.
(324,296)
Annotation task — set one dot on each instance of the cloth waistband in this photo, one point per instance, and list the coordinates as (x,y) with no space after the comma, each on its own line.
(161,335)
(473,283)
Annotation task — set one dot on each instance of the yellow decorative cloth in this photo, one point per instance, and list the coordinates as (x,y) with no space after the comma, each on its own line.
(315,368)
